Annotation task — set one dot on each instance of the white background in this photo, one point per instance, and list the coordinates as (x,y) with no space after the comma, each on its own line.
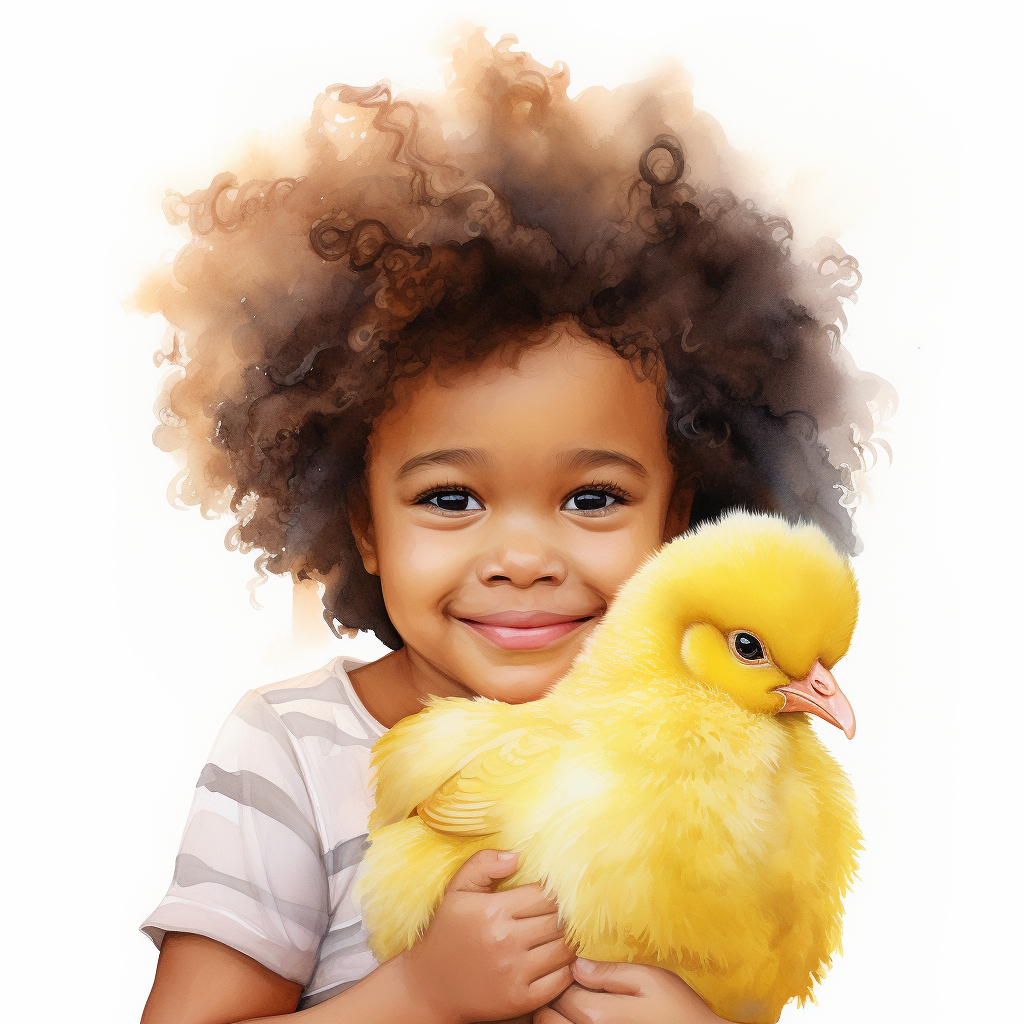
(129,633)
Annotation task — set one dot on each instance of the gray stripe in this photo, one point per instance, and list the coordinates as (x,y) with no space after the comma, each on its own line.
(345,931)
(350,939)
(345,854)
(302,725)
(190,870)
(320,997)
(256,792)
(261,716)
(330,690)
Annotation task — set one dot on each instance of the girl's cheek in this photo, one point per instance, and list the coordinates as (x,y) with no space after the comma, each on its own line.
(438,557)
(608,560)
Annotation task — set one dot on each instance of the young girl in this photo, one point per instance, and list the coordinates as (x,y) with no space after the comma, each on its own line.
(465,360)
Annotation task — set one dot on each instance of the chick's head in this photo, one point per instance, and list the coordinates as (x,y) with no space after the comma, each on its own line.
(761,610)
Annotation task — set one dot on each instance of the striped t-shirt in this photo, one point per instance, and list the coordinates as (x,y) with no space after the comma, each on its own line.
(275,833)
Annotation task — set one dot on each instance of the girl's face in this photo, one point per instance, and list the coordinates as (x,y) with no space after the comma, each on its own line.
(507,505)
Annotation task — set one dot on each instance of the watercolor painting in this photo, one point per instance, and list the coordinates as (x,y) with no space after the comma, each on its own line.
(530,606)
(464,362)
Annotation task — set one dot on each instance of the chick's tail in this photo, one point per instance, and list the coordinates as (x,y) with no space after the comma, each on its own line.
(402,880)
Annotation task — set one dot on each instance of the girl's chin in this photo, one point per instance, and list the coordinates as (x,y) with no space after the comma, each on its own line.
(517,694)
(520,684)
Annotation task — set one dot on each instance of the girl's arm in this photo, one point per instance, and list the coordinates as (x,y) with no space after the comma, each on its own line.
(201,981)
(485,956)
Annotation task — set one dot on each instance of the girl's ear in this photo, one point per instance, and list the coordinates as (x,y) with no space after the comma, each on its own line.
(361,522)
(678,518)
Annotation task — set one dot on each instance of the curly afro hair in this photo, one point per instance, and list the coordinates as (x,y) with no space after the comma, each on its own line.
(387,235)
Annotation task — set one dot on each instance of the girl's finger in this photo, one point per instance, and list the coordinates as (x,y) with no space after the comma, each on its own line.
(550,987)
(528,901)
(549,1015)
(621,979)
(537,931)
(551,956)
(482,870)
(581,1006)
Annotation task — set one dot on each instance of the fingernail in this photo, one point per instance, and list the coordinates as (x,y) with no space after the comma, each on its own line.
(586,966)
(508,855)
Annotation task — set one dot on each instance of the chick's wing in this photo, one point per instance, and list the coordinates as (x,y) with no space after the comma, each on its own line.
(452,762)
(476,800)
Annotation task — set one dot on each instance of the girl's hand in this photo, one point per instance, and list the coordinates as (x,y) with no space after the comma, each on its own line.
(488,955)
(625,994)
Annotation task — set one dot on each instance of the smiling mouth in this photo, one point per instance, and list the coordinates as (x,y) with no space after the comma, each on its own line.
(524,631)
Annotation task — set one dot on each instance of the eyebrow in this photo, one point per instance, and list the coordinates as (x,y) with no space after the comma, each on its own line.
(578,458)
(591,458)
(445,457)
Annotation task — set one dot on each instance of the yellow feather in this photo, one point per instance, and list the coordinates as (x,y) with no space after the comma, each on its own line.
(676,821)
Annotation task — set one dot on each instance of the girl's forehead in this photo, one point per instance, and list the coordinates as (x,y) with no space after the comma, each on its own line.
(566,389)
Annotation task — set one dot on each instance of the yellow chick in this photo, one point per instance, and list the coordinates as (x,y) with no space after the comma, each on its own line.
(657,791)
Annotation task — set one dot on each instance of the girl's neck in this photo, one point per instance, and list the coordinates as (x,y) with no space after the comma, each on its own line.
(399,684)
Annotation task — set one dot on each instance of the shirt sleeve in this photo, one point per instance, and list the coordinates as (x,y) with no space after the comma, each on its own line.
(250,872)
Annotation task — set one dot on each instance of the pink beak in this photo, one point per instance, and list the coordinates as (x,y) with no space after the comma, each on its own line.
(818,694)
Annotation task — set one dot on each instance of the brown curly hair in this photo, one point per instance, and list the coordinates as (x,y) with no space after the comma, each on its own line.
(388,235)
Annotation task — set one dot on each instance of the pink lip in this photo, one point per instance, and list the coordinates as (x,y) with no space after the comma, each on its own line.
(524,631)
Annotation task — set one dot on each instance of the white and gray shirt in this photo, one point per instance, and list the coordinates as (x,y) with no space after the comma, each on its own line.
(276,830)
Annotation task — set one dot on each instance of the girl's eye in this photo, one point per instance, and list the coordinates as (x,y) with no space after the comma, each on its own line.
(452,501)
(590,501)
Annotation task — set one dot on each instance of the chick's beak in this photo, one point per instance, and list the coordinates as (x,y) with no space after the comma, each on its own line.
(819,694)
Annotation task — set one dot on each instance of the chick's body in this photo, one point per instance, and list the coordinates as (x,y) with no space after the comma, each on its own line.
(674,825)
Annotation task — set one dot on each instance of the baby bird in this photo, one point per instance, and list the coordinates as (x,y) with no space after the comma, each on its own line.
(661,792)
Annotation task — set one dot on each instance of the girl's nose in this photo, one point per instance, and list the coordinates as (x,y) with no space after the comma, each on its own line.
(522,559)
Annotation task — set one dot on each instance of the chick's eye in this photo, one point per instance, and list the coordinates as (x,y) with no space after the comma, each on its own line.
(452,501)
(747,646)
(590,501)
